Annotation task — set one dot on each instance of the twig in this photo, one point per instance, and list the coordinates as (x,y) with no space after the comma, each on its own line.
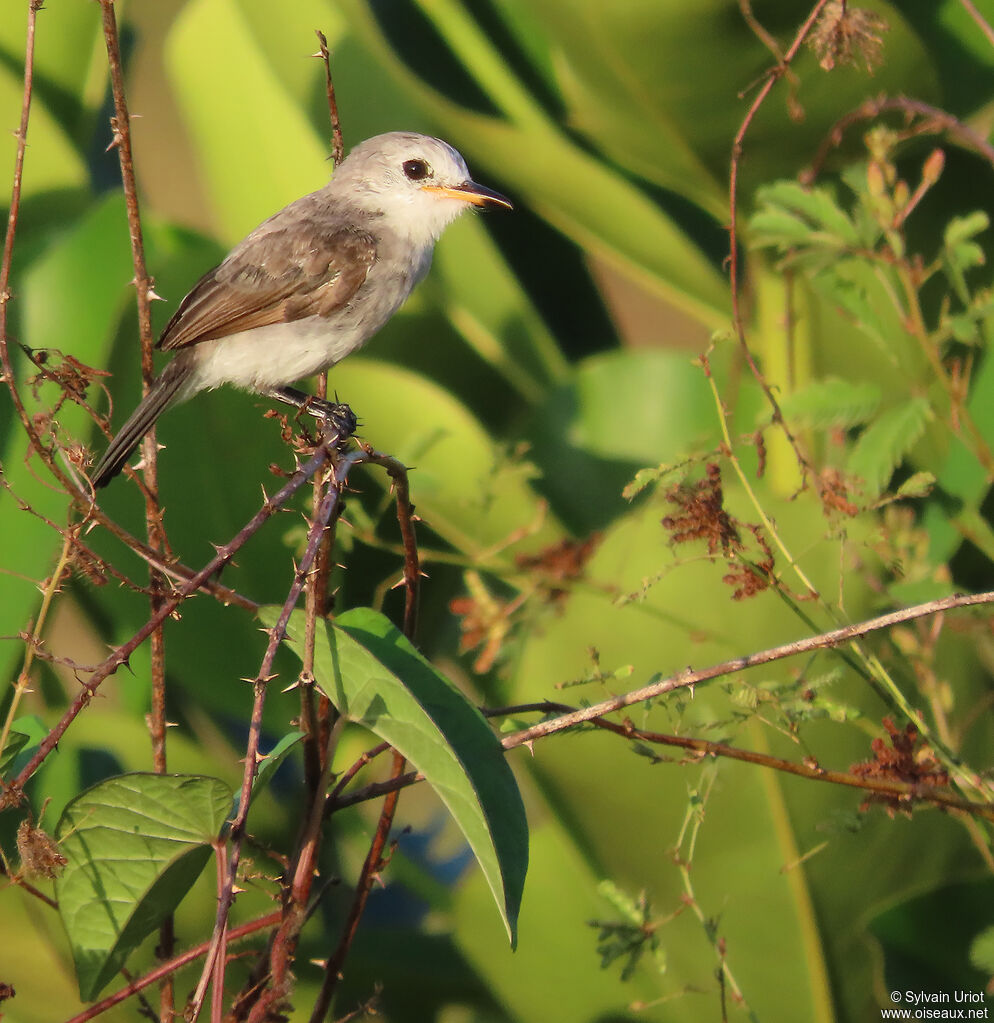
(337,145)
(809,770)
(873,108)
(167,969)
(371,868)
(979,19)
(157,718)
(6,261)
(691,677)
(405,519)
(342,467)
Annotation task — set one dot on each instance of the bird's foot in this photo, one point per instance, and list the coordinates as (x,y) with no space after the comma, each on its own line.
(335,416)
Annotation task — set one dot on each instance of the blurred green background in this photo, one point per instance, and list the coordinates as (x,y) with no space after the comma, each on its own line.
(547,359)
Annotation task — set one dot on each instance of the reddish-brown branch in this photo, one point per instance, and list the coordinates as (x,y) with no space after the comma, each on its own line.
(935,120)
(155,529)
(374,863)
(337,144)
(979,19)
(7,259)
(692,677)
(168,969)
(405,519)
(277,633)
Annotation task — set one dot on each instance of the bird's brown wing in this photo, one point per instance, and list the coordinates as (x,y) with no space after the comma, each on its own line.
(275,276)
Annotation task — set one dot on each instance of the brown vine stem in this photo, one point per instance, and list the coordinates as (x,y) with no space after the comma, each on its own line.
(405,519)
(979,19)
(318,724)
(376,857)
(810,771)
(374,863)
(121,124)
(167,969)
(691,677)
(936,119)
(6,261)
(774,75)
(342,466)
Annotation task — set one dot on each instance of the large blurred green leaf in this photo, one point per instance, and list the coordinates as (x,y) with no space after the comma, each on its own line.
(135,844)
(70,299)
(464,487)
(631,75)
(52,160)
(70,72)
(375,677)
(595,206)
(257,150)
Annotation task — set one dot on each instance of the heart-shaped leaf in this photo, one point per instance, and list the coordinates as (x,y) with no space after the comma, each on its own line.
(135,845)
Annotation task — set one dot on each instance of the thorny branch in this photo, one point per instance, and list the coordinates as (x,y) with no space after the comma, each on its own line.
(11,792)
(692,677)
(154,526)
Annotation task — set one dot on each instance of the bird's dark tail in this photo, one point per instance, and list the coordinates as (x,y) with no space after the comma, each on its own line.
(163,394)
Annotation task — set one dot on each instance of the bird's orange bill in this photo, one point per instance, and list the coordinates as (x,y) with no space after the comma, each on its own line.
(470,191)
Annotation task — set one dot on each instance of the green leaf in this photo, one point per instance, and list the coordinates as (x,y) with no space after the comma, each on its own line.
(624,226)
(26,734)
(831,402)
(982,951)
(376,678)
(884,444)
(962,229)
(135,845)
(237,77)
(16,741)
(274,758)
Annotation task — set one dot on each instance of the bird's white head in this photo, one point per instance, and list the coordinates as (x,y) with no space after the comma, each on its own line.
(420,183)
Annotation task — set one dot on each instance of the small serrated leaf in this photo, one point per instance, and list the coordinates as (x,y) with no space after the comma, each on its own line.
(919,484)
(884,443)
(831,402)
(134,844)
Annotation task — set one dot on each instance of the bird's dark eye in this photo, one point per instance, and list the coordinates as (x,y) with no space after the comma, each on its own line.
(416,170)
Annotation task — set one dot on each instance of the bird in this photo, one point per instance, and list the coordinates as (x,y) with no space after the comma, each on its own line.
(311,284)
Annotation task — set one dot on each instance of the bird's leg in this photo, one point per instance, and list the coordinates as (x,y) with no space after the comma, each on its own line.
(337,415)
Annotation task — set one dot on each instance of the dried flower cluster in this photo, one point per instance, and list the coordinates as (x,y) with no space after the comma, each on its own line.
(39,852)
(487,621)
(905,759)
(848,35)
(701,515)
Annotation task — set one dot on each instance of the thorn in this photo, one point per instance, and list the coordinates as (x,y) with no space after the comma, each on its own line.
(235,890)
(154,296)
(259,757)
